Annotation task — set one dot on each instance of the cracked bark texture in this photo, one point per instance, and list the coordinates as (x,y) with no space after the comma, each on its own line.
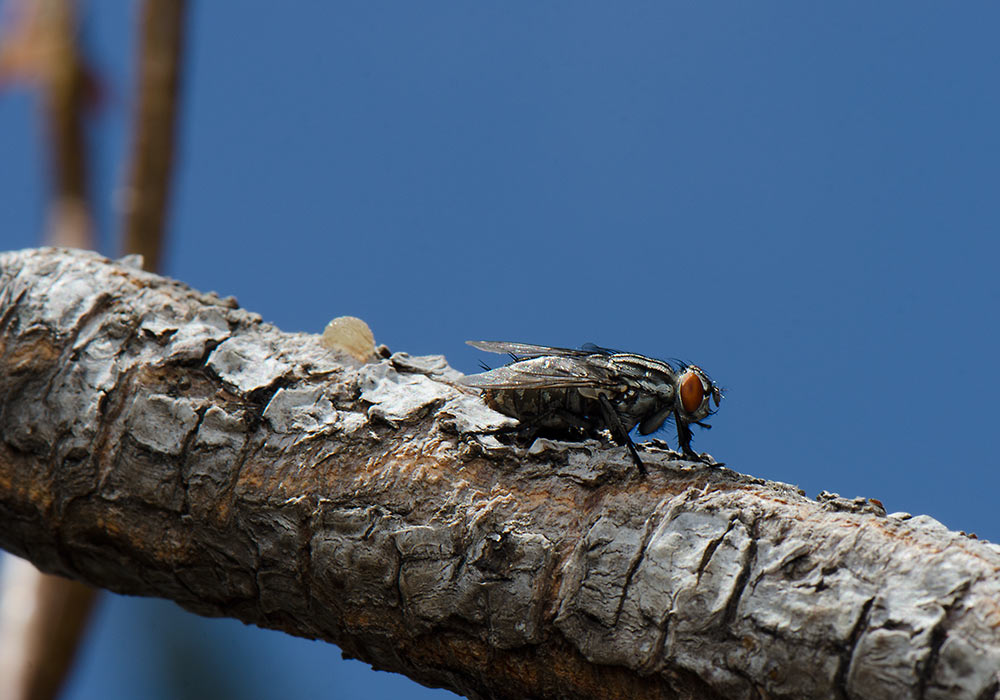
(159,441)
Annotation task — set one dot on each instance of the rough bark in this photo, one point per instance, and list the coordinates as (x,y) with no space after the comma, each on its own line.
(160,441)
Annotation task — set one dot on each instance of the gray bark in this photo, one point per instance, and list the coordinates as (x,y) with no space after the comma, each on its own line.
(158,441)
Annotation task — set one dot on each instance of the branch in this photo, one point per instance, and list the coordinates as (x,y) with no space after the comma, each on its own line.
(159,68)
(160,441)
(43,49)
(42,619)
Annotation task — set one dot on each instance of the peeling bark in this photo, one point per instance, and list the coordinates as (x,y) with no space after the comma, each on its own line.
(160,441)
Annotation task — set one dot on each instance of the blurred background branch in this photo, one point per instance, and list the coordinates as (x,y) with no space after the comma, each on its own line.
(42,623)
(41,50)
(146,195)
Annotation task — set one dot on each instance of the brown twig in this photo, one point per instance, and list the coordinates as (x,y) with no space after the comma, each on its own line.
(42,620)
(147,193)
(42,49)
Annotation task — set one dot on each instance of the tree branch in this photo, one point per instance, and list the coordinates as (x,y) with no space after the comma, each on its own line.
(42,619)
(42,49)
(160,441)
(158,79)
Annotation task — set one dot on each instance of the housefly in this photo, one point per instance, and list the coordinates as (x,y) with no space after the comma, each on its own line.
(584,391)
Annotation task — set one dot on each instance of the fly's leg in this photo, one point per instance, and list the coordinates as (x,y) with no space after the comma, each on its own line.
(619,433)
(684,440)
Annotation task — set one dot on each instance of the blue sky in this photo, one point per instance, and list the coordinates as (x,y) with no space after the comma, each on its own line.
(802,199)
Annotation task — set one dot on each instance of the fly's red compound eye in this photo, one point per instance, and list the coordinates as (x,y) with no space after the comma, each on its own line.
(692,392)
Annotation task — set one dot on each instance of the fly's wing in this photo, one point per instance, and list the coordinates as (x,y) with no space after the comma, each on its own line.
(592,349)
(526,350)
(549,372)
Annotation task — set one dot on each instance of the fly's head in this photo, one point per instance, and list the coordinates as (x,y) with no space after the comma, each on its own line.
(695,390)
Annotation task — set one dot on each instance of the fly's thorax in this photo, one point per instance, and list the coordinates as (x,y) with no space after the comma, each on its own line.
(644,407)
(595,393)
(645,376)
(647,392)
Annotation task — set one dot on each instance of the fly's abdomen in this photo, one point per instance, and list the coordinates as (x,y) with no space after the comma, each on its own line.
(555,409)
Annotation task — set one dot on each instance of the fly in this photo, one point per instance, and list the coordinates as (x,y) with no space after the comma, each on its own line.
(585,391)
